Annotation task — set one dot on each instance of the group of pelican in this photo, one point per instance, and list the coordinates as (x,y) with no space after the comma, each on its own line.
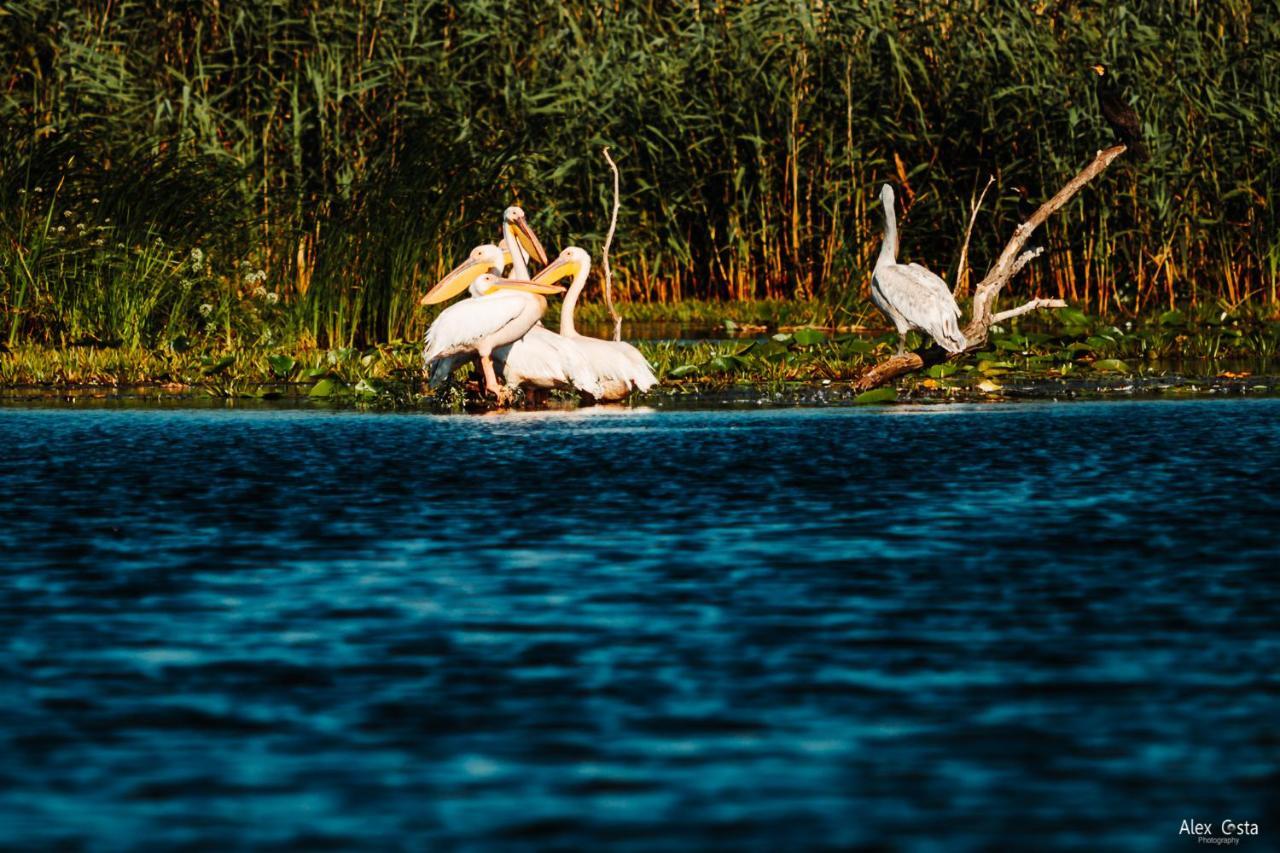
(500,324)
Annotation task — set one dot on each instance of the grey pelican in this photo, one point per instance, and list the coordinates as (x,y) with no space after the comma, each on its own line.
(910,295)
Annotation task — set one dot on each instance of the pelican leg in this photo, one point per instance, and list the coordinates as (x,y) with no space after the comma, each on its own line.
(491,383)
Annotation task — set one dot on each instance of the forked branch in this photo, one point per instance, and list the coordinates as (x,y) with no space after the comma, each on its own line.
(1009,264)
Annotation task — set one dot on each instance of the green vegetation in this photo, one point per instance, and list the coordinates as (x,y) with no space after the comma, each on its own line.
(244,177)
(1067,345)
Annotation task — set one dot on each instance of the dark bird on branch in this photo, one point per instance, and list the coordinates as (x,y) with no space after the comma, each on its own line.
(1119,113)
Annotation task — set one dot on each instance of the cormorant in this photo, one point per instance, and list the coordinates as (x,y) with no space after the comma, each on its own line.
(1119,114)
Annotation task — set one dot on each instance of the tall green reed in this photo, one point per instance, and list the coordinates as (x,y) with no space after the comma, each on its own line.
(353,151)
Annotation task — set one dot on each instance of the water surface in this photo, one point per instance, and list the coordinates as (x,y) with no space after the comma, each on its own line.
(928,628)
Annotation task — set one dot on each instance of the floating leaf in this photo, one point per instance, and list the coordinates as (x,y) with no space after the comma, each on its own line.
(858,346)
(876,395)
(1111,365)
(809,337)
(724,363)
(989,386)
(783,338)
(682,371)
(282,365)
(323,388)
(941,371)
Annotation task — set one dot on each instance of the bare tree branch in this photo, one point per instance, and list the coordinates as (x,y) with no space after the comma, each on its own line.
(1033,305)
(608,241)
(1010,262)
(961,289)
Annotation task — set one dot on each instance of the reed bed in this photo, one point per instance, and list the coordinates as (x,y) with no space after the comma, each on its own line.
(239,172)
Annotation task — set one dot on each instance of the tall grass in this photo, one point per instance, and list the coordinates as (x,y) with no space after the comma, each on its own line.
(352,151)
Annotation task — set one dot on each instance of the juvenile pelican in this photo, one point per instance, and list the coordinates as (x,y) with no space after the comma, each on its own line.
(910,295)
(619,366)
(501,311)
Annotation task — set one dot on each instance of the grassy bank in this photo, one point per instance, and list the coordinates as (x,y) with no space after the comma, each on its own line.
(1203,342)
(338,157)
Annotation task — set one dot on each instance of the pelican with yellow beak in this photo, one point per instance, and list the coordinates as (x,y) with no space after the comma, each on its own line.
(618,365)
(541,359)
(500,311)
(520,243)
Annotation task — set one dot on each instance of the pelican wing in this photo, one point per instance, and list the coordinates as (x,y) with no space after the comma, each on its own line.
(924,300)
(545,359)
(461,326)
(618,362)
(642,376)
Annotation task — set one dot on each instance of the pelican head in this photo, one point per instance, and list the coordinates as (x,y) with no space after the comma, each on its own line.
(489,283)
(886,196)
(486,258)
(570,263)
(514,216)
(1099,69)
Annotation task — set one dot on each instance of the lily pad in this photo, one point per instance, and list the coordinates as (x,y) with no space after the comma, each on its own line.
(282,365)
(809,337)
(1111,365)
(876,395)
(323,388)
(682,371)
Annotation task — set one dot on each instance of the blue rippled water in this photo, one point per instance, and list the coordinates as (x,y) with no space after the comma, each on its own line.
(923,628)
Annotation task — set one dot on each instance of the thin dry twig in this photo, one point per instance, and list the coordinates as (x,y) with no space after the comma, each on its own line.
(961,289)
(608,241)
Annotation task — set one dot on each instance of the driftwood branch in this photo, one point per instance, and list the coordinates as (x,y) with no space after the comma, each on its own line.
(1033,305)
(1010,262)
(608,241)
(961,289)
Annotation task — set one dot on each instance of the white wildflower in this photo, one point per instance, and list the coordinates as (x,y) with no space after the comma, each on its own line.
(68,214)
(273,298)
(94,201)
(61,228)
(206,309)
(260,291)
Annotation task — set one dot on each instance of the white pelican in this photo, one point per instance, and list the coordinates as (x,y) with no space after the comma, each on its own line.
(501,311)
(911,296)
(540,359)
(619,365)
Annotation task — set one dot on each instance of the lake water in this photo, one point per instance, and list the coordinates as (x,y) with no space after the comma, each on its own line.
(925,628)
